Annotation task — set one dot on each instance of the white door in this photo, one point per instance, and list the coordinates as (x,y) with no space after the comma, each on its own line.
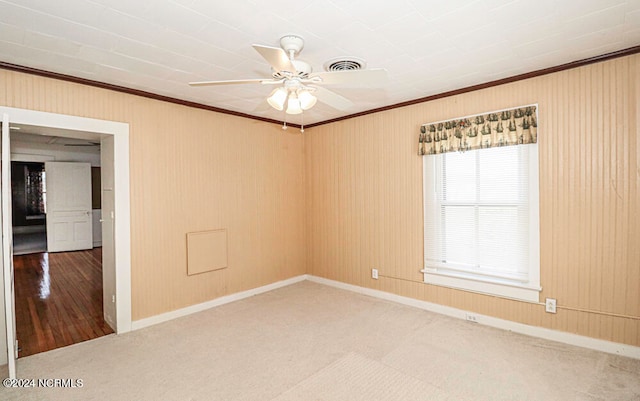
(7,250)
(69,223)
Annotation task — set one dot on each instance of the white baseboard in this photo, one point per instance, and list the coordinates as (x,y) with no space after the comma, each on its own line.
(164,317)
(534,331)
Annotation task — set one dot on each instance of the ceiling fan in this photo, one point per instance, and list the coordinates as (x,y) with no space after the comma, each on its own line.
(298,86)
(88,143)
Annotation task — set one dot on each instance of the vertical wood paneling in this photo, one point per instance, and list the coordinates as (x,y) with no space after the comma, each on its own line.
(364,193)
(193,170)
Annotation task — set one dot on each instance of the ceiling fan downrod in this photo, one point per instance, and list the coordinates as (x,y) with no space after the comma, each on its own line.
(291,44)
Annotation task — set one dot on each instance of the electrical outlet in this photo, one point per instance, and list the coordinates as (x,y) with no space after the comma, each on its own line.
(113,299)
(374,273)
(550,305)
(471,318)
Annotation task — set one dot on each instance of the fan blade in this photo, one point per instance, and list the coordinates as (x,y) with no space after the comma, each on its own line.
(332,99)
(374,76)
(276,57)
(232,82)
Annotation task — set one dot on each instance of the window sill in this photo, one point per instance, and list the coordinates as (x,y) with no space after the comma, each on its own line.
(483,286)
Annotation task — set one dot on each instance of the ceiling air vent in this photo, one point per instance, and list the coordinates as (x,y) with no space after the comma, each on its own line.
(345,64)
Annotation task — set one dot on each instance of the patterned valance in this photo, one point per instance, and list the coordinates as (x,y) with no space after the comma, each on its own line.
(501,128)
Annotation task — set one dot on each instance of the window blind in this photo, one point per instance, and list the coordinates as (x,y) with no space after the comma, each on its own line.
(477,214)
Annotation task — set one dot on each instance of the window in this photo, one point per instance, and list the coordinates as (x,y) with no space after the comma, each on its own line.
(481,221)
(35,191)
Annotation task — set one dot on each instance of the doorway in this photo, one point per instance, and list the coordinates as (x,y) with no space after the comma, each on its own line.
(117,284)
(28,200)
(59,295)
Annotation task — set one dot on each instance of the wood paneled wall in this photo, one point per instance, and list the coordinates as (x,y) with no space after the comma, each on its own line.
(364,199)
(192,170)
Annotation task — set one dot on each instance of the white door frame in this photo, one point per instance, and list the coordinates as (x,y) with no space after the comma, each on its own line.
(72,126)
(7,253)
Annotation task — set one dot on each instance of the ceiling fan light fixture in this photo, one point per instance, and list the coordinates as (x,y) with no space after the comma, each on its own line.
(307,100)
(293,106)
(277,98)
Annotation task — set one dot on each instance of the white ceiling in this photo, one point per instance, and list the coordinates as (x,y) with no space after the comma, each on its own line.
(47,137)
(428,46)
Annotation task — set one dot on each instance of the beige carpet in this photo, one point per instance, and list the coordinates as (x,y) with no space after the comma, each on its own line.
(357,378)
(312,342)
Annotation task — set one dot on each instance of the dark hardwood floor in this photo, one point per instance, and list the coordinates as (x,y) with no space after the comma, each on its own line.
(58,299)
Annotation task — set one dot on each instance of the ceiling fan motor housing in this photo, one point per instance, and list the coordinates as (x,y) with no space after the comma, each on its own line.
(292,43)
(303,70)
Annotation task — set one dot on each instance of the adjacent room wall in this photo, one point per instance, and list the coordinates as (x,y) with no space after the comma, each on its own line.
(364,199)
(192,170)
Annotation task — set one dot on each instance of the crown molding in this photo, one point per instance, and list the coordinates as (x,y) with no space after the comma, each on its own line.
(70,78)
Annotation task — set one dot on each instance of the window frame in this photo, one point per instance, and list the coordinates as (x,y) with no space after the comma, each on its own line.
(526,290)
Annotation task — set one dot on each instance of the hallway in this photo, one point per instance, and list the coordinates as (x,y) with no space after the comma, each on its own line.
(58,299)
